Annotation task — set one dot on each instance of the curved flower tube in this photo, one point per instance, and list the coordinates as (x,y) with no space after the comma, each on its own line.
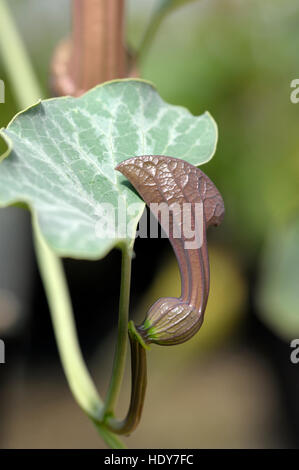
(186,203)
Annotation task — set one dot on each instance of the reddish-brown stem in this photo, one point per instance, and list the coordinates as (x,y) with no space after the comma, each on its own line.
(138,388)
(96,52)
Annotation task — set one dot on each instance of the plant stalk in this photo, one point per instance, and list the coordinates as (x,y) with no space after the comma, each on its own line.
(138,387)
(59,301)
(155,22)
(16,61)
(122,337)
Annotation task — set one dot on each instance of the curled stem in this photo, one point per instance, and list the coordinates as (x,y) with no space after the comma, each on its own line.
(138,360)
(138,388)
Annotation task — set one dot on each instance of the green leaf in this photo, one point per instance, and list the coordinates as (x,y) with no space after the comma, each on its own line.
(278,295)
(63,154)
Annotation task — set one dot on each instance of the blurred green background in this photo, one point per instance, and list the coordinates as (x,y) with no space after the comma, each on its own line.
(233,385)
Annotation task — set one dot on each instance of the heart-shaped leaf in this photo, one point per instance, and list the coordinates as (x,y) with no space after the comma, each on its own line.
(63,153)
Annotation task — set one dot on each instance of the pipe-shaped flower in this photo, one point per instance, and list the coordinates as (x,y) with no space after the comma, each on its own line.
(192,203)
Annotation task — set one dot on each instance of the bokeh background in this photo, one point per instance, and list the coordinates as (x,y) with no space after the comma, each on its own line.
(233,385)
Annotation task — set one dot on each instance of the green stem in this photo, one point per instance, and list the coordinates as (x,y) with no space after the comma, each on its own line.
(157,18)
(162,9)
(16,61)
(122,339)
(78,377)
(109,437)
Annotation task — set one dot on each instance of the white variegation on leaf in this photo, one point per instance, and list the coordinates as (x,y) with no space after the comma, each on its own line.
(62,155)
